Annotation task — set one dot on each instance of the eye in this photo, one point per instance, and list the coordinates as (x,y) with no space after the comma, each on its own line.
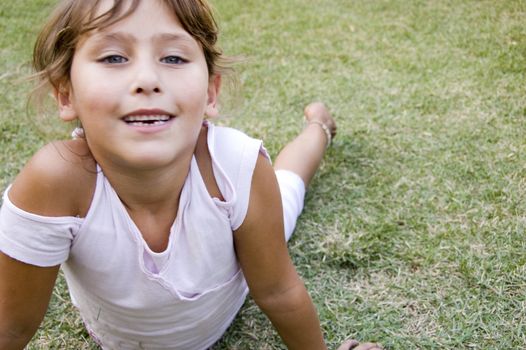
(114,59)
(173,60)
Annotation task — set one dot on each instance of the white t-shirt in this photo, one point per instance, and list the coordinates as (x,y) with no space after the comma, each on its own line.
(130,297)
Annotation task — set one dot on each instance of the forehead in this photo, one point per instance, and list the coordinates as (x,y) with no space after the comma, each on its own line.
(117,10)
(139,19)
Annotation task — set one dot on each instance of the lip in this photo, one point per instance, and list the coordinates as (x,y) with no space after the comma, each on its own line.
(138,120)
(148,111)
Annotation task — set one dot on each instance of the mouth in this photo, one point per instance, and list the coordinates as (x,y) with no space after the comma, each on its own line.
(147,119)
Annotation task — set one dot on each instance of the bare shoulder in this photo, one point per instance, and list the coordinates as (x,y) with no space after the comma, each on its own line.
(264,209)
(59,180)
(260,240)
(264,193)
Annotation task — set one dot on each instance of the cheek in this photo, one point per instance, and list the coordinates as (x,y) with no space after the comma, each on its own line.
(194,92)
(91,88)
(93,96)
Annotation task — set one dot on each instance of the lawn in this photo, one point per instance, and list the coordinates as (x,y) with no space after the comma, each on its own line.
(413,234)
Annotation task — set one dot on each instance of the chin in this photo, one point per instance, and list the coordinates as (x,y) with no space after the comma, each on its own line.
(155,160)
(151,163)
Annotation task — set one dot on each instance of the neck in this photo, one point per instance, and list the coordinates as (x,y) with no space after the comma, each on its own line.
(152,189)
(151,198)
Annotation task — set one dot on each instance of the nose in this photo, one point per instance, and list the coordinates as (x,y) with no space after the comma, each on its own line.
(147,80)
(140,90)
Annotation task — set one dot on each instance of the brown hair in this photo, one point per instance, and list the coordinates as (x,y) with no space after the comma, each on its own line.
(56,43)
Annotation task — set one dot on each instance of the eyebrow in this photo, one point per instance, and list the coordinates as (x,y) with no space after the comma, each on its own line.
(182,39)
(103,39)
(119,37)
(116,37)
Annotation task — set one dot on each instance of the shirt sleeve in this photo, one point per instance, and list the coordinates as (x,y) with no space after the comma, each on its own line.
(34,239)
(237,154)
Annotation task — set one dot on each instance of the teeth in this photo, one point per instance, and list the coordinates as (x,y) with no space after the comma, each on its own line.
(157,122)
(147,118)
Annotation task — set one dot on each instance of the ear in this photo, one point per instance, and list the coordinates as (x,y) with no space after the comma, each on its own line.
(214,86)
(66,111)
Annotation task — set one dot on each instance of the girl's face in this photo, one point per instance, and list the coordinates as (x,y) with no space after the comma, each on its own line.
(140,88)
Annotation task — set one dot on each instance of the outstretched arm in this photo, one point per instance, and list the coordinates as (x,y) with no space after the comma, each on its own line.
(50,185)
(25,291)
(260,244)
(273,281)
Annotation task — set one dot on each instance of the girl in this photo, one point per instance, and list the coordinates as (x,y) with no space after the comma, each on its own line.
(161,221)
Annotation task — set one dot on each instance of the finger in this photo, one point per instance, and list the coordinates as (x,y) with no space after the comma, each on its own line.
(369,346)
(349,345)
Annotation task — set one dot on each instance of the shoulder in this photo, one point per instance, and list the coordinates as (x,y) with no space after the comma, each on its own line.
(264,205)
(235,151)
(227,132)
(58,180)
(236,156)
(260,240)
(232,140)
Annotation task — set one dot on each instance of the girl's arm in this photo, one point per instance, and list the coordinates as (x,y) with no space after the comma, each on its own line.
(52,184)
(25,291)
(272,279)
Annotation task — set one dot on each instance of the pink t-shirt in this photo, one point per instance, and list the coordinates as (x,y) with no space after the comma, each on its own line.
(130,297)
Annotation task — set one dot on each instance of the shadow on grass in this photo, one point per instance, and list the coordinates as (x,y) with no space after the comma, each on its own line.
(347,222)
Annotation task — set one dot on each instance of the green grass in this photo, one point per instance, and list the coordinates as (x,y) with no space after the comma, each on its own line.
(413,233)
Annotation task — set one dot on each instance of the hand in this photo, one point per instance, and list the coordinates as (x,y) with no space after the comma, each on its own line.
(352,344)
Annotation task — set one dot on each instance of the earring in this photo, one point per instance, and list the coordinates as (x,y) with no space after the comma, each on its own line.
(78,132)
